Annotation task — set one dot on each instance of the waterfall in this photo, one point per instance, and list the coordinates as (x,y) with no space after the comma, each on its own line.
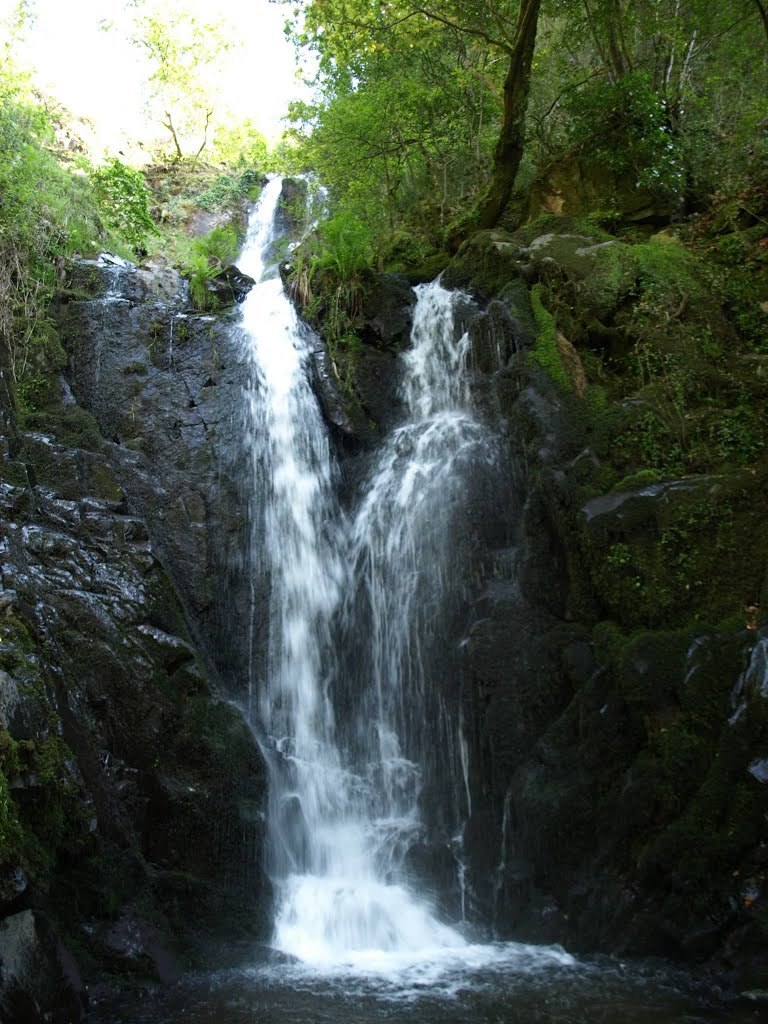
(357,611)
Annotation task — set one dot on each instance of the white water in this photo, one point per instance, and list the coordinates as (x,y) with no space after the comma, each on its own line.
(344,796)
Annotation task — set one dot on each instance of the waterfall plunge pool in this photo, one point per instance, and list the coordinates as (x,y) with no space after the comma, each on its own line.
(504,983)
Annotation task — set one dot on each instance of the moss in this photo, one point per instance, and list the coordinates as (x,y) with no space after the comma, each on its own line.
(103,483)
(650,666)
(17,646)
(545,352)
(641,478)
(138,368)
(52,813)
(70,424)
(487,262)
(10,829)
(681,553)
(552,223)
(44,817)
(722,821)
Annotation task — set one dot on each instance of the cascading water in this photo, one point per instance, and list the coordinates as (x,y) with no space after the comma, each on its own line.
(356,612)
(409,546)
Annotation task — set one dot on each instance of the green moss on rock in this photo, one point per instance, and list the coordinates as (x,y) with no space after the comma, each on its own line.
(546,352)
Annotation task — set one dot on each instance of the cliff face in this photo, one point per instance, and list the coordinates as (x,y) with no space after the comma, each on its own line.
(131,827)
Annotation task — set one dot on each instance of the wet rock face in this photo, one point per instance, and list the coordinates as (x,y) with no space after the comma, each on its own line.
(40,981)
(611,699)
(165,387)
(116,753)
(129,789)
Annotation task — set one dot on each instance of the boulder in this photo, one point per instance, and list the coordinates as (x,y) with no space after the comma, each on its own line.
(229,287)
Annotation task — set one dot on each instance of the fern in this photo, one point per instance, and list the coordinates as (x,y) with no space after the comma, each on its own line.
(346,247)
(207,257)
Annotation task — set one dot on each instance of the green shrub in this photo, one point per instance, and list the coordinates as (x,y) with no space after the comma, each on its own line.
(624,126)
(345,247)
(124,199)
(226,191)
(47,213)
(207,257)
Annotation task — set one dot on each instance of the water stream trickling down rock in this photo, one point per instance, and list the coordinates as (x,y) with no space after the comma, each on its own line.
(388,574)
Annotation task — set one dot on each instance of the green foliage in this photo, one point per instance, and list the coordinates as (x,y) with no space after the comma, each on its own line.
(328,278)
(179,47)
(124,199)
(650,442)
(654,97)
(742,256)
(545,352)
(219,247)
(735,436)
(345,247)
(10,831)
(228,190)
(401,134)
(626,127)
(205,259)
(241,146)
(47,213)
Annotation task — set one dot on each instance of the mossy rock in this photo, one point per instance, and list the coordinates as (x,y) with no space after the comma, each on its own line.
(486,263)
(554,224)
(680,551)
(575,185)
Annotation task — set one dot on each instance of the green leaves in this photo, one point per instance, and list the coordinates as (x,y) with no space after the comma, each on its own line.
(124,200)
(180,48)
(626,126)
(346,247)
(206,258)
(46,214)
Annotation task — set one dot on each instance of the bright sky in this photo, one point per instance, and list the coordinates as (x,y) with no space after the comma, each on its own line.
(99,74)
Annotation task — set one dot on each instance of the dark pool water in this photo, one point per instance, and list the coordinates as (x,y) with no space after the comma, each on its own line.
(502,984)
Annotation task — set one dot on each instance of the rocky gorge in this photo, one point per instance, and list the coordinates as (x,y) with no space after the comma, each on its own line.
(608,660)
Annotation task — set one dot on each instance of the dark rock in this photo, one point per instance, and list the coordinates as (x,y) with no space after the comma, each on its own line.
(176,448)
(292,211)
(495,336)
(119,751)
(485,263)
(39,980)
(387,311)
(138,945)
(230,286)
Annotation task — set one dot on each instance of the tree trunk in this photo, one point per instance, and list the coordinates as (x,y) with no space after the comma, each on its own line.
(763,14)
(8,407)
(510,147)
(208,116)
(170,126)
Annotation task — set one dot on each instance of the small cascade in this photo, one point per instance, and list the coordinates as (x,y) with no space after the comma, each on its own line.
(411,555)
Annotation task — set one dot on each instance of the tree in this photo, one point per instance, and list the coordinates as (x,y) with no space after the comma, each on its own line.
(348,34)
(436,111)
(517,83)
(241,144)
(180,49)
